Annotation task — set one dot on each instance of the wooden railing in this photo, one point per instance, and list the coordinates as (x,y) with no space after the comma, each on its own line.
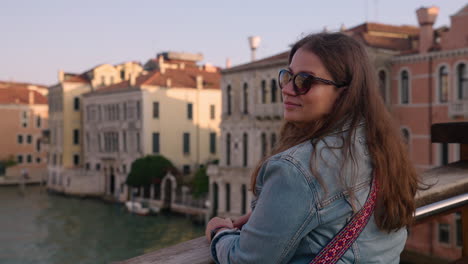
(450,182)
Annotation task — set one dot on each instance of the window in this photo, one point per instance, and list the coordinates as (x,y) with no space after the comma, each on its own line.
(189,111)
(443,154)
(273,141)
(38,145)
(186,140)
(155,109)
(263,141)
(76,159)
(228,197)
(246,99)
(212,112)
(406,135)
(19,158)
(20,139)
(228,149)
(383,84)
(103,80)
(124,111)
(264,92)
(155,142)
(98,166)
(138,110)
(76,104)
(444,233)
(88,165)
(462,82)
(404,91)
(273,91)
(38,121)
(213,143)
(122,74)
(29,158)
(244,199)
(29,139)
(138,141)
(443,84)
(38,160)
(186,169)
(245,142)
(76,136)
(229,98)
(124,139)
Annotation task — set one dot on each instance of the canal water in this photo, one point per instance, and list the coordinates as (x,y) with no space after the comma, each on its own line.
(46,228)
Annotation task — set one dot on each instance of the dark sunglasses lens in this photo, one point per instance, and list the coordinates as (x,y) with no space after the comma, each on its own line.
(284,78)
(303,83)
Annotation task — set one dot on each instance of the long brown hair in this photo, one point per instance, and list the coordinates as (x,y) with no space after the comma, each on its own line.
(347,62)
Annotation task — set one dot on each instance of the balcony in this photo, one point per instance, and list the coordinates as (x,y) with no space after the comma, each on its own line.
(268,111)
(458,108)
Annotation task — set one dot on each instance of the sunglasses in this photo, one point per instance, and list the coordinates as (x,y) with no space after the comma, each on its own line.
(302,81)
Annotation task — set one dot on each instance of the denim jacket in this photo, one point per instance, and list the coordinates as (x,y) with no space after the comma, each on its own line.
(294,215)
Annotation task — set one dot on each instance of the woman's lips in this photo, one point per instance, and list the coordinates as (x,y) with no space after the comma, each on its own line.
(290,106)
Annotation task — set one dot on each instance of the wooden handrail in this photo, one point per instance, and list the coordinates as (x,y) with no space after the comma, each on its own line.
(447,182)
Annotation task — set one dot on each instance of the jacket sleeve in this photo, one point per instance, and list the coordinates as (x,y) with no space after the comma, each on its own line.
(283,215)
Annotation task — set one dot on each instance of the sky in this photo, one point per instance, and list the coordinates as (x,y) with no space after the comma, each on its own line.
(39,38)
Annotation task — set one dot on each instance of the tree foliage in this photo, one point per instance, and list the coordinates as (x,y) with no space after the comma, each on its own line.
(200,183)
(148,170)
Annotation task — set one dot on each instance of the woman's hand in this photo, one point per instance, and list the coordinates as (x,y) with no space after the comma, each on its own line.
(239,222)
(217,222)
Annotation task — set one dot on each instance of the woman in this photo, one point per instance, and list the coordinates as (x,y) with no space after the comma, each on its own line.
(336,138)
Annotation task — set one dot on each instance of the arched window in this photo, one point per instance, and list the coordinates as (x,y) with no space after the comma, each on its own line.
(462,81)
(264,92)
(229,100)
(274,90)
(228,149)
(273,141)
(404,82)
(443,84)
(244,199)
(383,84)
(245,141)
(264,144)
(246,99)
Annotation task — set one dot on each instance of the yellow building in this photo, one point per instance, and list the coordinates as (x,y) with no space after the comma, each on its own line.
(65,119)
(172,109)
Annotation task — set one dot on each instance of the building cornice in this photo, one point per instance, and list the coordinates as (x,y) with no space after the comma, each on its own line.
(433,55)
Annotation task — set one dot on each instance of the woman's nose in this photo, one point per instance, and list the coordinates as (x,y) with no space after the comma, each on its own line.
(288,89)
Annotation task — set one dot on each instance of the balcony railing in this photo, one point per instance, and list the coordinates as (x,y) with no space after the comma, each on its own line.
(268,111)
(446,196)
(458,108)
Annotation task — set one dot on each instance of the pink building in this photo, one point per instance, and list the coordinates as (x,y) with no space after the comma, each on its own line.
(430,85)
(24,112)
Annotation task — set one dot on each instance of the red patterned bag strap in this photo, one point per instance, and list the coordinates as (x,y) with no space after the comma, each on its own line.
(342,241)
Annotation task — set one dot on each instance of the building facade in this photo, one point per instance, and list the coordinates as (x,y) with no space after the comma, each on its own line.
(65,118)
(172,109)
(430,85)
(24,112)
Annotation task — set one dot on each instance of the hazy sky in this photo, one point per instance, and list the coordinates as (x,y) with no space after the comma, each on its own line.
(37,38)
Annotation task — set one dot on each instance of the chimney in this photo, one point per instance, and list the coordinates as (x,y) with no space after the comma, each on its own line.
(161,65)
(426,19)
(132,79)
(228,63)
(31,97)
(199,82)
(254,41)
(61,76)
